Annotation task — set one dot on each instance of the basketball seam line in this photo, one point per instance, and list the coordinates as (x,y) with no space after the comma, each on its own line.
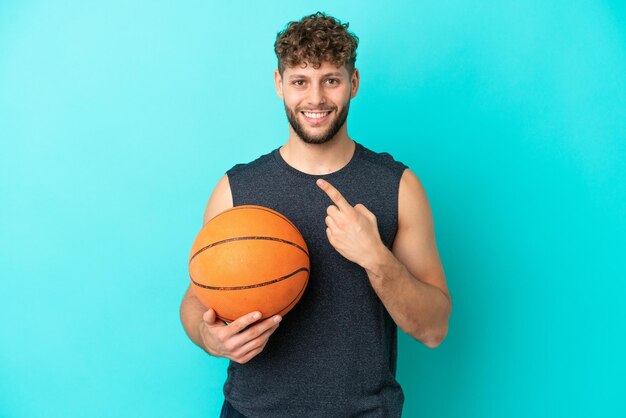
(245,239)
(252,286)
(283,308)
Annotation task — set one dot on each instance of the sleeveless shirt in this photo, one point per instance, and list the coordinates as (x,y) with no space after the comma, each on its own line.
(334,353)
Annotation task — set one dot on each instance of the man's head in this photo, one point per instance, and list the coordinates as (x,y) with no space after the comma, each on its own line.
(314,39)
(316,77)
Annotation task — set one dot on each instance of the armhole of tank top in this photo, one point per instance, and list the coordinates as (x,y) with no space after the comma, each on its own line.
(232,174)
(400,169)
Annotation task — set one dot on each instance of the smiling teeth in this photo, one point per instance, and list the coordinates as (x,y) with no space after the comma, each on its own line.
(315,115)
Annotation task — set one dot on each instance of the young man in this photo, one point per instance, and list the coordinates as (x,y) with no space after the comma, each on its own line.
(374,261)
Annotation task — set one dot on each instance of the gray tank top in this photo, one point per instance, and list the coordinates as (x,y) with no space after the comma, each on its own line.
(334,353)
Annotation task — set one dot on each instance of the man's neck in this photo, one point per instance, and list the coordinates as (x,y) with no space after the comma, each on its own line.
(318,159)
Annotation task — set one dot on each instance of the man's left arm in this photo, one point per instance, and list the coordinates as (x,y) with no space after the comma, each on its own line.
(409,279)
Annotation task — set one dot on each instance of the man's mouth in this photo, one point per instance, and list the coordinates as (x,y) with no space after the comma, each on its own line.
(316,117)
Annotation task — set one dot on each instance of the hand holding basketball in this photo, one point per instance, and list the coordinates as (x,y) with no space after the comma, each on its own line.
(239,341)
(351,230)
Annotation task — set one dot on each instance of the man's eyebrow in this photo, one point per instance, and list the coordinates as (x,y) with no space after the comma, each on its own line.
(333,74)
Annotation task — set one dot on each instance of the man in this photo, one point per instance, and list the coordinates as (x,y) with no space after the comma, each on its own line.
(374,260)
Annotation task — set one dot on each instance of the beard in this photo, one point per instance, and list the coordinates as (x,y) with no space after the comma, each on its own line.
(322,137)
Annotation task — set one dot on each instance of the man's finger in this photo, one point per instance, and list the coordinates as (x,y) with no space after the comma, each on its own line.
(329,235)
(209,316)
(257,330)
(241,323)
(211,319)
(333,211)
(258,340)
(334,195)
(250,356)
(330,222)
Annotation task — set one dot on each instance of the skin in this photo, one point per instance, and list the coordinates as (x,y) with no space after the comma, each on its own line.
(409,279)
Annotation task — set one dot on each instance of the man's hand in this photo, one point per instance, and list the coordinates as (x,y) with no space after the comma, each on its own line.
(352,230)
(239,341)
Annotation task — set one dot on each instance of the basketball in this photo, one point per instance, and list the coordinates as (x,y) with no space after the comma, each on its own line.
(249,258)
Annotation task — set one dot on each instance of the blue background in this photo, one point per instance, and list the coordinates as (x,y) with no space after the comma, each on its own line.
(117,119)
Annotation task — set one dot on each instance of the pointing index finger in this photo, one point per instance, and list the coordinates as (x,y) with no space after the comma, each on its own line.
(334,195)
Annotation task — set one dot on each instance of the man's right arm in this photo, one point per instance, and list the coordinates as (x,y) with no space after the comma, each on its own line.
(191,309)
(202,325)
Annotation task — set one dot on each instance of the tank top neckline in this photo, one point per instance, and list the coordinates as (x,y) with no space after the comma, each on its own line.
(346,168)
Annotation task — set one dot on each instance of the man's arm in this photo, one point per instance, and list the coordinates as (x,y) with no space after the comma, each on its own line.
(191,309)
(409,280)
(242,339)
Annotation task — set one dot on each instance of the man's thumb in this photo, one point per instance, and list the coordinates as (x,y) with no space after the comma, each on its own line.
(209,316)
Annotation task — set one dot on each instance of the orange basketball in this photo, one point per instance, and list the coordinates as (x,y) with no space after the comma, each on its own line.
(249,258)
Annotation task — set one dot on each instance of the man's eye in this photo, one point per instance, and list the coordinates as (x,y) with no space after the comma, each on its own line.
(332,81)
(299,82)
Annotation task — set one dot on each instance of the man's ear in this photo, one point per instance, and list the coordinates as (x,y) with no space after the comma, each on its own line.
(355,81)
(278,83)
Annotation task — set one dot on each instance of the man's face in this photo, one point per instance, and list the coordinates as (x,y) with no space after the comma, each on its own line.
(316,100)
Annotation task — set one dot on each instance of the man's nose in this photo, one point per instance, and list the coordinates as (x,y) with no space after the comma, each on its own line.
(317,95)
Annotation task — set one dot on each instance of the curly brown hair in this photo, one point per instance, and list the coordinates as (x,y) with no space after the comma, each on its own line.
(315,39)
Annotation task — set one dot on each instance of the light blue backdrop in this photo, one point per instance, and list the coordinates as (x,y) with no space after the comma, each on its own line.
(117,119)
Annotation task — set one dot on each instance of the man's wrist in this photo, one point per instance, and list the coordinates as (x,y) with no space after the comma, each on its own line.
(380,260)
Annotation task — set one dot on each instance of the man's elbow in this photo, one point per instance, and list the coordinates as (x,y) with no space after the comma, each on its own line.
(436,334)
(432,337)
(435,339)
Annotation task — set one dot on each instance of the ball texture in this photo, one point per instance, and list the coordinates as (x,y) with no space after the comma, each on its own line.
(249,258)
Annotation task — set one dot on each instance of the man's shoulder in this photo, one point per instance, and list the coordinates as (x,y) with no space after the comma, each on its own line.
(253,166)
(382,160)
